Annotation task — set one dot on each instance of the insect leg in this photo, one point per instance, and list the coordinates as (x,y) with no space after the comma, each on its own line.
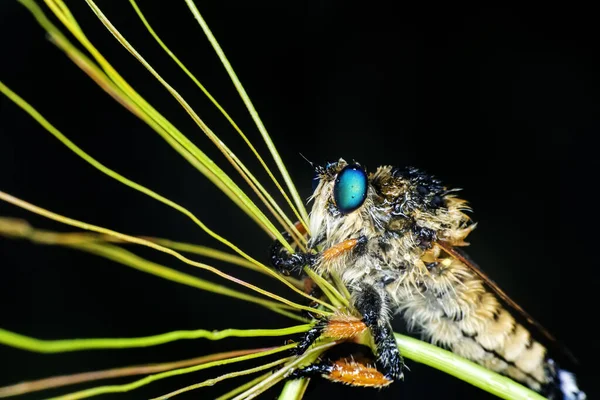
(289,263)
(310,337)
(371,302)
(347,371)
(313,370)
(337,327)
(351,245)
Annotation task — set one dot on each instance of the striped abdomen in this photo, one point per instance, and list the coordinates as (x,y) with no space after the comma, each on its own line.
(451,307)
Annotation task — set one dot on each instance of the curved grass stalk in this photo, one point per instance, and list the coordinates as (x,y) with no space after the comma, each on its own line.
(23,342)
(263,131)
(131,239)
(337,281)
(230,155)
(463,369)
(139,111)
(167,374)
(20,229)
(122,84)
(80,59)
(217,255)
(243,387)
(207,252)
(111,173)
(413,349)
(294,390)
(94,244)
(305,359)
(447,362)
(220,108)
(118,88)
(335,297)
(210,382)
(66,380)
(127,258)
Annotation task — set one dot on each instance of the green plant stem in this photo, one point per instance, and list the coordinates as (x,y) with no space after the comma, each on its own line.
(463,369)
(61,346)
(294,390)
(448,362)
(151,378)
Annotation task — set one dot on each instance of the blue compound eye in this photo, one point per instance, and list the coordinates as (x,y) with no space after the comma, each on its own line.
(350,190)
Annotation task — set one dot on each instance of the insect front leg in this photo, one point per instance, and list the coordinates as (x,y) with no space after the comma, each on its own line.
(286,261)
(371,301)
(352,370)
(347,371)
(289,263)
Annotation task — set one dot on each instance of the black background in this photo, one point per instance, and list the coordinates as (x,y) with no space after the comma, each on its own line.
(501,102)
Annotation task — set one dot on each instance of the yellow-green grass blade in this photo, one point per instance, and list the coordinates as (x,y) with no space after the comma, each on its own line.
(132,239)
(334,296)
(217,255)
(169,133)
(23,342)
(463,369)
(447,362)
(211,382)
(294,390)
(94,244)
(231,157)
(122,256)
(117,254)
(307,358)
(138,110)
(152,378)
(207,252)
(216,104)
(109,80)
(54,382)
(243,387)
(102,168)
(246,99)
(170,129)
(337,281)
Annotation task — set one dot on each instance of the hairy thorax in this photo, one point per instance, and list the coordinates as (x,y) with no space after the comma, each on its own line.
(404,214)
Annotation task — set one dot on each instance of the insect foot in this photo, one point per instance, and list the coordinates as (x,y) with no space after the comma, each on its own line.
(289,263)
(347,371)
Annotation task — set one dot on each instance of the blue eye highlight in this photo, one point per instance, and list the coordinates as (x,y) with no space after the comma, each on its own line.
(350,190)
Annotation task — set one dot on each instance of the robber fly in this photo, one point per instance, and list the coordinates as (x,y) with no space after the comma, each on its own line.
(394,238)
